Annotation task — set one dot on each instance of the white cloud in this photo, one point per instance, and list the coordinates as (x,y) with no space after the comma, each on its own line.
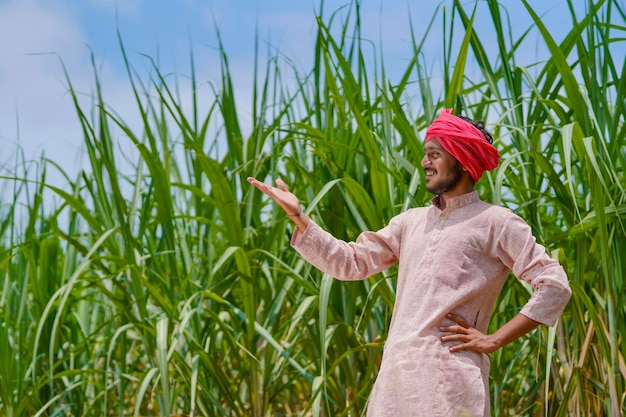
(37,39)
(34,38)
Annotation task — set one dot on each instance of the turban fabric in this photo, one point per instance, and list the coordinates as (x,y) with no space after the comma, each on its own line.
(465,142)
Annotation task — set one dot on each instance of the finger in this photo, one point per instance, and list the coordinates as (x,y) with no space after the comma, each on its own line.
(281,184)
(457,337)
(255,182)
(458,319)
(261,186)
(462,346)
(454,329)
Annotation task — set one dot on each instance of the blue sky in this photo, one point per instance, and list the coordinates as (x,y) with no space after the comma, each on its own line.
(36,113)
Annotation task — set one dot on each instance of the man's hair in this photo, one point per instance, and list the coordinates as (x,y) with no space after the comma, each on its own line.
(480,125)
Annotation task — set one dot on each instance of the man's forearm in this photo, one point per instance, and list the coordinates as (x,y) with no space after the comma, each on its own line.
(517,327)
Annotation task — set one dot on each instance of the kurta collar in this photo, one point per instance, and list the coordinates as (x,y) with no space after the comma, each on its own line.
(460,201)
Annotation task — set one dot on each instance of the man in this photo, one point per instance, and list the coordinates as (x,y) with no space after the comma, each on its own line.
(454,257)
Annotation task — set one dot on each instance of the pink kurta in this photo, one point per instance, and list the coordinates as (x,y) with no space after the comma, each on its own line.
(450,261)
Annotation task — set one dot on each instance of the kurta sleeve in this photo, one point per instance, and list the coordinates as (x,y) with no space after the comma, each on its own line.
(518,250)
(371,253)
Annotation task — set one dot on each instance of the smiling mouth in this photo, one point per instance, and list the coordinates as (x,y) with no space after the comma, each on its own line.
(429,172)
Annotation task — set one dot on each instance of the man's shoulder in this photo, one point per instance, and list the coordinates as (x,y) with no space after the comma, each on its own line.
(498,213)
(495,207)
(412,213)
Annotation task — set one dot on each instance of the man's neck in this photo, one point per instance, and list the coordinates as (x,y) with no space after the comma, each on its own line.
(445,197)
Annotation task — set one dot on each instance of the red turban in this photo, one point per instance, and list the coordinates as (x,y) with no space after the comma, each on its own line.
(465,142)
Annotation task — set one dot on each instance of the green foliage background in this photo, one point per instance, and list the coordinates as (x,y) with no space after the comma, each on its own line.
(169,288)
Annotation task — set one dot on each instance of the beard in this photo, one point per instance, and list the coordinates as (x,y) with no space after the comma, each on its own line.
(448,183)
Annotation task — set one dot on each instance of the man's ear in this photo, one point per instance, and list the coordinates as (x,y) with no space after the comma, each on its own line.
(463,168)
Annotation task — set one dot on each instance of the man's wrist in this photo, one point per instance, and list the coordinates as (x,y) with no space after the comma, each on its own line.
(296,214)
(301,220)
(495,341)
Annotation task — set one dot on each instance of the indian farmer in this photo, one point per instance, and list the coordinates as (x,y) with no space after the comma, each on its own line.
(453,259)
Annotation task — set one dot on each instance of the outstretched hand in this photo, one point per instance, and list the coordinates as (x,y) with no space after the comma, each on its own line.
(281,195)
(285,199)
(471,338)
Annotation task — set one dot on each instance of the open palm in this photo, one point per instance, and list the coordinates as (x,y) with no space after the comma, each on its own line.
(281,194)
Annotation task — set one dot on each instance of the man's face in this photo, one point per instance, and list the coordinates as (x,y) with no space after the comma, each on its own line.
(443,171)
